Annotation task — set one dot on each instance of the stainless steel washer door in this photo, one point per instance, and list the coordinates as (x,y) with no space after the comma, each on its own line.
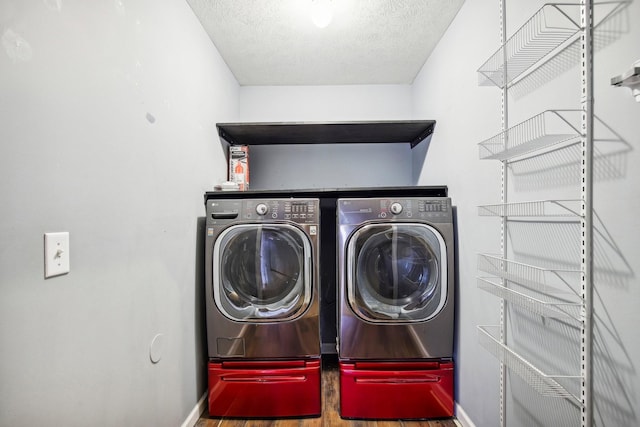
(396,272)
(262,272)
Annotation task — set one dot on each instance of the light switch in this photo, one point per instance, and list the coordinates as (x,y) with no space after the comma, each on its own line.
(56,254)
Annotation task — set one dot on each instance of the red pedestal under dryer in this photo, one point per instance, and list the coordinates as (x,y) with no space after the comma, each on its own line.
(264,389)
(262,307)
(396,316)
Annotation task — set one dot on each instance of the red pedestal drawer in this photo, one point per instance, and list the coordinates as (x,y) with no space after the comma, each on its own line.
(264,388)
(390,390)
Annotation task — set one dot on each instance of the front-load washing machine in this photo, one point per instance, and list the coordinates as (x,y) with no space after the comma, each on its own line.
(262,305)
(396,314)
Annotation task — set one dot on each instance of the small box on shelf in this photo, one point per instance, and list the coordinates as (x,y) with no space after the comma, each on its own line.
(239,166)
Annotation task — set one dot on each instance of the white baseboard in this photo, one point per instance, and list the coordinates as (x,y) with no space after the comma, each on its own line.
(195,413)
(463,418)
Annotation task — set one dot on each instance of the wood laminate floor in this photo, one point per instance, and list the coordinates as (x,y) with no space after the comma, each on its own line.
(330,416)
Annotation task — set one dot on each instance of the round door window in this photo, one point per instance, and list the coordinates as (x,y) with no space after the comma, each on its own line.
(262,272)
(396,272)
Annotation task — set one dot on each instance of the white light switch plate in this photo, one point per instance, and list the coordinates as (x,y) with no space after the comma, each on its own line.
(56,254)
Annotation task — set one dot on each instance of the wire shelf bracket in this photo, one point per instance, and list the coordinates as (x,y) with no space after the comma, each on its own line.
(544,384)
(547,32)
(536,208)
(542,305)
(542,280)
(542,131)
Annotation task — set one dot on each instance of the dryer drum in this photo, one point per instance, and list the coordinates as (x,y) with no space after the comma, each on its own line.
(262,264)
(262,272)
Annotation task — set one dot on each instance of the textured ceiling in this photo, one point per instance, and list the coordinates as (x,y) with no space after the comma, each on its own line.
(274,42)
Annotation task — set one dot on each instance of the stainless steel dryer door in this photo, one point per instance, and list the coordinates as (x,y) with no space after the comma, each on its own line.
(396,272)
(262,272)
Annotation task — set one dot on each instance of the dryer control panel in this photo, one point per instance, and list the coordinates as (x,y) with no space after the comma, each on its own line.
(431,209)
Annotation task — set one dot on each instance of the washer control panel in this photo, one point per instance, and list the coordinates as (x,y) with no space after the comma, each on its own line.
(302,211)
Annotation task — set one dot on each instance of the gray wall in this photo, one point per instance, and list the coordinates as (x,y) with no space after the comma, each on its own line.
(447,90)
(107,131)
(351,165)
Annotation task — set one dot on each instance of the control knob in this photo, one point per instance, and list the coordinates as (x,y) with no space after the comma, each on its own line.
(395,208)
(261,208)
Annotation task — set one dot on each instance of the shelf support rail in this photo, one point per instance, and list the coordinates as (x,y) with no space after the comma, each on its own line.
(503,199)
(586,282)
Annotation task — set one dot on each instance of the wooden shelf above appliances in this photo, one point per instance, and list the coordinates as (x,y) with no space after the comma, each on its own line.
(411,132)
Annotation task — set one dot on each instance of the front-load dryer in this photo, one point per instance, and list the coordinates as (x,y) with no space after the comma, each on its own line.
(262,307)
(396,314)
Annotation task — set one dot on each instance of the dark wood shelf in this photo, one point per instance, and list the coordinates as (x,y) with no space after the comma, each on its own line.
(411,132)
